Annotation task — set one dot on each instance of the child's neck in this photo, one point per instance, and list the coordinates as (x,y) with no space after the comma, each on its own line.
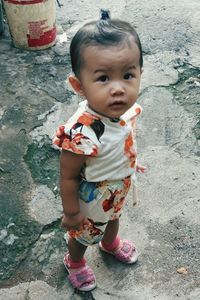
(113,119)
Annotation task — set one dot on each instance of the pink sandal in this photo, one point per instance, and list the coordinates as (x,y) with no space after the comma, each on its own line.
(83,278)
(125,252)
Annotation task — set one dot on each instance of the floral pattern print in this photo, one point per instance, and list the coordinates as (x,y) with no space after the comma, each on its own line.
(109,144)
(105,178)
(129,150)
(107,200)
(74,140)
(90,234)
(117,197)
(87,119)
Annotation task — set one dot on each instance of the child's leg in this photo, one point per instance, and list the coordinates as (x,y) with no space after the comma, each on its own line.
(111,232)
(80,275)
(123,250)
(76,249)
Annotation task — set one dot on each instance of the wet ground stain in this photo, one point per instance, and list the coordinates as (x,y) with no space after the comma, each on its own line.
(187,92)
(37,256)
(43,162)
(21,234)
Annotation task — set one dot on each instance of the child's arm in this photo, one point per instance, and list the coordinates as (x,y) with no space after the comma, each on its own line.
(140,168)
(70,167)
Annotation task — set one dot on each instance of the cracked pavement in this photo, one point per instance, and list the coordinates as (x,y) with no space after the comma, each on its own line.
(165,224)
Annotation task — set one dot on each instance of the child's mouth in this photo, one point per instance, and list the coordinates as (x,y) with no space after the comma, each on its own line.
(117,104)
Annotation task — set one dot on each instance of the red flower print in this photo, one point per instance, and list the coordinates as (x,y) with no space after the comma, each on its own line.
(94,231)
(122,122)
(78,137)
(60,131)
(127,183)
(130,151)
(128,143)
(56,142)
(60,136)
(94,152)
(75,233)
(118,206)
(138,110)
(87,119)
(108,203)
(68,145)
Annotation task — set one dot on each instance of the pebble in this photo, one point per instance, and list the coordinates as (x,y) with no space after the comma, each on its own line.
(3,234)
(10,239)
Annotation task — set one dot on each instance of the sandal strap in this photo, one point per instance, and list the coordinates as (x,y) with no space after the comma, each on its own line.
(124,251)
(70,264)
(83,276)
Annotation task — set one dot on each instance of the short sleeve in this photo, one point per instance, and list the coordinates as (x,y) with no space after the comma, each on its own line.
(132,113)
(77,138)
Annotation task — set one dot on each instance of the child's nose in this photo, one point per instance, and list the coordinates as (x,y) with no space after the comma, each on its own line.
(117,89)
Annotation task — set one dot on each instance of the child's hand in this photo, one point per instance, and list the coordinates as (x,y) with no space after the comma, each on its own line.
(140,169)
(75,222)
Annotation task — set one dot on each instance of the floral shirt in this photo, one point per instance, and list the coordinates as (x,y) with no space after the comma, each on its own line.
(109,143)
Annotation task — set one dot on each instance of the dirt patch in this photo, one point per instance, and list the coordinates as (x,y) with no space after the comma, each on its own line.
(187,92)
(43,162)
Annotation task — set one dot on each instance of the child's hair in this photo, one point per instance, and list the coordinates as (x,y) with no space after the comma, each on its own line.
(105,32)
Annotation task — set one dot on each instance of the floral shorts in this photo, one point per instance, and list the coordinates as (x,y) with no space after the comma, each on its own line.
(100,202)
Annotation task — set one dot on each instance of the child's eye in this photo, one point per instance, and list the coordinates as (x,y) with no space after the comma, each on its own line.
(103,78)
(128,76)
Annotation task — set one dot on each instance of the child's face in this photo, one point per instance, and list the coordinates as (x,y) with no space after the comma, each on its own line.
(110,78)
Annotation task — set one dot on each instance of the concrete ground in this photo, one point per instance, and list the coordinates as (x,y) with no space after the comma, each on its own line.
(165,224)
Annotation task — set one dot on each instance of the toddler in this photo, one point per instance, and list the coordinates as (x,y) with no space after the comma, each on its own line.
(98,156)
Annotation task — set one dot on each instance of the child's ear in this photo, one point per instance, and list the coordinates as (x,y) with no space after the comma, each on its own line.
(142,70)
(75,84)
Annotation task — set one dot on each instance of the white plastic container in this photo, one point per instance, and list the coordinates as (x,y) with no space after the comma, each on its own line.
(32,23)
